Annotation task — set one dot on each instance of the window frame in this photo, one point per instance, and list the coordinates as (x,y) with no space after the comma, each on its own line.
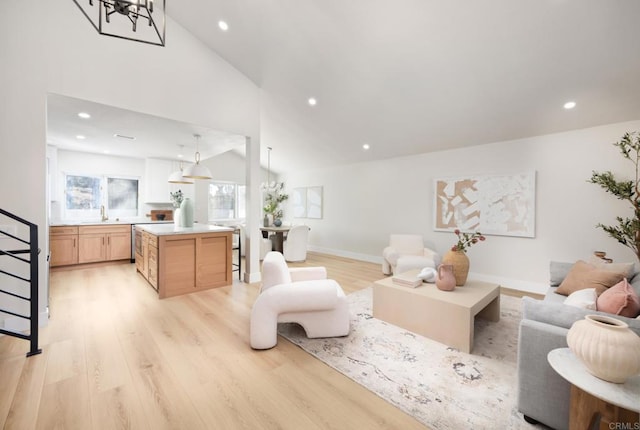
(93,213)
(239,206)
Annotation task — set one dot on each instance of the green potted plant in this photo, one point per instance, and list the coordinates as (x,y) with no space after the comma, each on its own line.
(627,231)
(271,207)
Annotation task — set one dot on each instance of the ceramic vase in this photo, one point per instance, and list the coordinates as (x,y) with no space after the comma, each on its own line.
(445,280)
(177,219)
(277,222)
(460,263)
(606,346)
(186,213)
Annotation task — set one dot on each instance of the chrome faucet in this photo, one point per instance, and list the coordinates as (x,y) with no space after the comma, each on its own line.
(103,215)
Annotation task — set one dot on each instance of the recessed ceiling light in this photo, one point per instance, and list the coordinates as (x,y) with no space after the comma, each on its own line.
(312,101)
(180,155)
(84,115)
(106,151)
(366,147)
(223,25)
(81,137)
(569,105)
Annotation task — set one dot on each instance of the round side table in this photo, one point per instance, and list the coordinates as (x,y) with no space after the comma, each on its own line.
(595,403)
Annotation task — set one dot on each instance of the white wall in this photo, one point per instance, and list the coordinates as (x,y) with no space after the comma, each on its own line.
(226,167)
(364,203)
(51,47)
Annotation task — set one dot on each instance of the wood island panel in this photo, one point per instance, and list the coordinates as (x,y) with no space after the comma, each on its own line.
(193,262)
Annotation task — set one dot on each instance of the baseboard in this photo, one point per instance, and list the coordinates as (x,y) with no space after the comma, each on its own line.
(346,254)
(514,284)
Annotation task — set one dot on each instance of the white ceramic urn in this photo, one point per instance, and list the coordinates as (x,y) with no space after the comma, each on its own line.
(606,346)
(186,213)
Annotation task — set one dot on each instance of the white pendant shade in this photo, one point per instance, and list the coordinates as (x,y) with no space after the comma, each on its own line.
(197,171)
(177,178)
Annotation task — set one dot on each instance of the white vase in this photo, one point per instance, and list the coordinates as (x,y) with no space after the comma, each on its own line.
(186,213)
(606,346)
(176,217)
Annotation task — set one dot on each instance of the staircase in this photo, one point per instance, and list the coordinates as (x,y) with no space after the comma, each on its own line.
(27,255)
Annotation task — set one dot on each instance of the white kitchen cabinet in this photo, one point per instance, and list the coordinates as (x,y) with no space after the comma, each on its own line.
(156,179)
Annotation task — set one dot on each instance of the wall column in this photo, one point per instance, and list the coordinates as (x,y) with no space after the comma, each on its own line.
(252,232)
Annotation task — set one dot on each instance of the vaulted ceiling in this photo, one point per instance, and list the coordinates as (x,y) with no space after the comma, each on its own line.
(403,76)
(413,76)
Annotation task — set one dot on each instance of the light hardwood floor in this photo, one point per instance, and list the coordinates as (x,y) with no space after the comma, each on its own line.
(114,356)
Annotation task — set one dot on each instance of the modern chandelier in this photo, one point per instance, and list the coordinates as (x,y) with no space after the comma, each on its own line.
(137,20)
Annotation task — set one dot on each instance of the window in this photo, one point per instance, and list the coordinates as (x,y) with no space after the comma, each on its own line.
(122,197)
(85,195)
(226,201)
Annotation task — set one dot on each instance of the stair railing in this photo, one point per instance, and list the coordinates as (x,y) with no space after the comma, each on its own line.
(32,250)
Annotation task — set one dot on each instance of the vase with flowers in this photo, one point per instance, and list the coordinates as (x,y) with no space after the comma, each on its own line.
(176,199)
(273,197)
(457,255)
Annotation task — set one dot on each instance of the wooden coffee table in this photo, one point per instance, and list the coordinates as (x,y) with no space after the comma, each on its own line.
(444,316)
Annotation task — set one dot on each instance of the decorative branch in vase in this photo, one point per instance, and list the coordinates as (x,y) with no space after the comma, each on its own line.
(457,255)
(271,208)
(176,199)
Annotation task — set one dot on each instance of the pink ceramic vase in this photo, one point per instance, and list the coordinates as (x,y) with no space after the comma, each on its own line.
(445,280)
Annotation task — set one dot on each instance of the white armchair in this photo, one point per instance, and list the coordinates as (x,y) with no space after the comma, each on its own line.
(295,247)
(406,252)
(300,295)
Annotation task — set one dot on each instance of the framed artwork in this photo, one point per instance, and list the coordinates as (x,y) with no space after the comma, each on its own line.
(307,202)
(299,201)
(491,204)
(314,202)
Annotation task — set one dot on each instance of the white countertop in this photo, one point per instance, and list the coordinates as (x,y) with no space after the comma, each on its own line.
(172,229)
(108,222)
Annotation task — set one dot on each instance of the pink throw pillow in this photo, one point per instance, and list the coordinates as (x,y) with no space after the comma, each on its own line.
(620,299)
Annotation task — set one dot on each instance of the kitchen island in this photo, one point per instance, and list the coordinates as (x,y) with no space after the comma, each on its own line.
(180,260)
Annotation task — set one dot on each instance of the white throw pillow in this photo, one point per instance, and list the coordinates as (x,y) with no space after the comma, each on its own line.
(585,299)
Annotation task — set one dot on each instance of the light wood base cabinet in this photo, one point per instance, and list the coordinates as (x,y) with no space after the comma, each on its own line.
(63,245)
(147,260)
(104,243)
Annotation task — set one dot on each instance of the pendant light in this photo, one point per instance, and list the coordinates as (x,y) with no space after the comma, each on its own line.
(197,170)
(177,177)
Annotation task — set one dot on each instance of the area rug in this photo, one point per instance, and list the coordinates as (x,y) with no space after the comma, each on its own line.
(440,386)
